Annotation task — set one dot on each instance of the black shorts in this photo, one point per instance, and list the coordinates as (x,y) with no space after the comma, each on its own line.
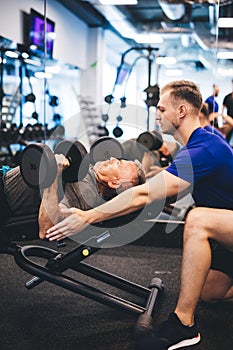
(222,260)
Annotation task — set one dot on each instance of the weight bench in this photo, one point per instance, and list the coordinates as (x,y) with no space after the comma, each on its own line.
(57,263)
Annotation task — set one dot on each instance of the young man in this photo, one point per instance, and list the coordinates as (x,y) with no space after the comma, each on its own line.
(211,100)
(207,233)
(203,166)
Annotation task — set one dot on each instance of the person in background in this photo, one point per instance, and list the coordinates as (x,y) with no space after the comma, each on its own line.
(164,154)
(227,111)
(205,122)
(213,106)
(152,161)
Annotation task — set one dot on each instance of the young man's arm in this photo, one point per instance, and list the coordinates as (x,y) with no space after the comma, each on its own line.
(160,187)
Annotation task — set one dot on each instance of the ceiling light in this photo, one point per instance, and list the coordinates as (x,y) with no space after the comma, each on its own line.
(25,55)
(173,72)
(118,2)
(166,60)
(33,47)
(225,55)
(227,72)
(51,36)
(43,75)
(225,22)
(33,62)
(53,69)
(150,38)
(11,54)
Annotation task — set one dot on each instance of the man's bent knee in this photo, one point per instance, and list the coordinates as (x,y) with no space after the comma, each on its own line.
(195,224)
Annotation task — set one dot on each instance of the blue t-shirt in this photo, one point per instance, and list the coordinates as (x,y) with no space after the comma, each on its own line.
(214,130)
(212,104)
(207,163)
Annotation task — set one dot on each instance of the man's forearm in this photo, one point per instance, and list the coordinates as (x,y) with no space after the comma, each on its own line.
(49,210)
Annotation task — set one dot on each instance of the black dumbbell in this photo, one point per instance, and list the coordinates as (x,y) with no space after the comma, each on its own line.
(39,167)
(38,164)
(104,148)
(150,140)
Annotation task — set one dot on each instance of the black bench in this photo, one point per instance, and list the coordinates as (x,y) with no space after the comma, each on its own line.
(56,263)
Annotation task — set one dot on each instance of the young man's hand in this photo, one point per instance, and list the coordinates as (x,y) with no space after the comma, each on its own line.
(74,222)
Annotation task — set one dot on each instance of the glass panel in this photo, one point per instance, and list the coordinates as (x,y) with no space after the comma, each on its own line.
(33,104)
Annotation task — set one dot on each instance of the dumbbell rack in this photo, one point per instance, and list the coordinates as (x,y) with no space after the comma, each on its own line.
(10,103)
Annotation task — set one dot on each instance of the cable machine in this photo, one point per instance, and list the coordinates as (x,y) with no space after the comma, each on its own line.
(151,91)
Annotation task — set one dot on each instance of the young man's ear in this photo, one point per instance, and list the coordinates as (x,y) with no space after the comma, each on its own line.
(183,110)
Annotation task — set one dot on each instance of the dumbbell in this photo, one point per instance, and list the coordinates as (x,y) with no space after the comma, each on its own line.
(150,140)
(38,164)
(39,168)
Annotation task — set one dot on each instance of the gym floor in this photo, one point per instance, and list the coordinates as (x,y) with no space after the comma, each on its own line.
(49,317)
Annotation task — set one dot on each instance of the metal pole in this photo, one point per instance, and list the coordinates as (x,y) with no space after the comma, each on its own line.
(1,82)
(149,84)
(44,65)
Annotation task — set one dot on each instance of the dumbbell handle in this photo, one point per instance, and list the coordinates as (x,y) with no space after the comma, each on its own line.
(62,164)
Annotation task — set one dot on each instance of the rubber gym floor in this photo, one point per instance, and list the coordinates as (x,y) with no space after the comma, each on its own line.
(52,318)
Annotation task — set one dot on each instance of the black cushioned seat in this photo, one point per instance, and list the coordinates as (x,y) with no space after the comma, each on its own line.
(20,228)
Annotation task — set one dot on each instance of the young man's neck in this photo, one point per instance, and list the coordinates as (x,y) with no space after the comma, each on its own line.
(182,135)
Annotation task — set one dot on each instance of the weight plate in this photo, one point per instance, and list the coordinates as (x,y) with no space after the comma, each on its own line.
(104,148)
(38,166)
(149,140)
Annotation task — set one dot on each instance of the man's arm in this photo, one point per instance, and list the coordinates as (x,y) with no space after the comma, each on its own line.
(49,212)
(228,119)
(228,122)
(160,187)
(223,109)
